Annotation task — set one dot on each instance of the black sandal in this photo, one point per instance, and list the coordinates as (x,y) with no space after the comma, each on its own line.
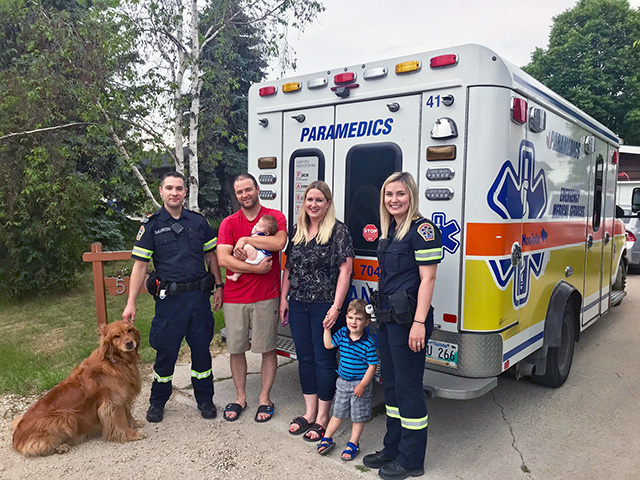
(266,409)
(235,408)
(302,423)
(317,428)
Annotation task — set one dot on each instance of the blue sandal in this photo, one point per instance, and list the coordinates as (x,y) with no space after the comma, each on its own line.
(325,445)
(352,450)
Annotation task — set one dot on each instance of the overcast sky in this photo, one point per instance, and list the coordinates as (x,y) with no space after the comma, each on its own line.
(350,32)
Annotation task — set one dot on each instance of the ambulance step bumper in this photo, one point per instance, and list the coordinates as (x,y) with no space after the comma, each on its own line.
(444,385)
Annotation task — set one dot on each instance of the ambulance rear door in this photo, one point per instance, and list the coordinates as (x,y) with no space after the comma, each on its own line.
(382,137)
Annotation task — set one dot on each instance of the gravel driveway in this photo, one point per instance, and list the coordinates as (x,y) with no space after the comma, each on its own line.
(184,445)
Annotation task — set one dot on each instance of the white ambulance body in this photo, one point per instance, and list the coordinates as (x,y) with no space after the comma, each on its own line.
(521,183)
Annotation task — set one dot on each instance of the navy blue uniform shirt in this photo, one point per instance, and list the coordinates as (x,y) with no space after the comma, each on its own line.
(177,257)
(422,245)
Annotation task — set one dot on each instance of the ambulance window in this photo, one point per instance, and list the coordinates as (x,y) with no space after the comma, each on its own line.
(597,194)
(367,167)
(306,166)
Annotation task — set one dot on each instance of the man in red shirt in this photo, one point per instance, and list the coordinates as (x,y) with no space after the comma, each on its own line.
(252,302)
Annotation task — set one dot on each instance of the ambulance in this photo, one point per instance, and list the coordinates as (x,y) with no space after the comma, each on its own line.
(521,183)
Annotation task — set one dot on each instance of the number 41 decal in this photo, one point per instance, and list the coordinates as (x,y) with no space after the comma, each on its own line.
(433,101)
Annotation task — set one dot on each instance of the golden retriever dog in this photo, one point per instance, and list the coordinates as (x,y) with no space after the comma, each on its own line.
(94,399)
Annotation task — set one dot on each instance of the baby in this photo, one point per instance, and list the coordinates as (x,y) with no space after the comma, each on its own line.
(267,225)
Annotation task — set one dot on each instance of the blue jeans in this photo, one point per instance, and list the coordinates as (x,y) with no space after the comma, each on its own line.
(317,366)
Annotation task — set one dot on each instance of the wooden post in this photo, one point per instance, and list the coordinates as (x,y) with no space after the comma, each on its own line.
(119,285)
(98,286)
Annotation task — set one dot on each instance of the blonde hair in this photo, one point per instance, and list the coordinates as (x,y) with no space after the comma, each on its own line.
(326,224)
(385,217)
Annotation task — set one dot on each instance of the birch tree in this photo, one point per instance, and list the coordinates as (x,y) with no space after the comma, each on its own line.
(178,34)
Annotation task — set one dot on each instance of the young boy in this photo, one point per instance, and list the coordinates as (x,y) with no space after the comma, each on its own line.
(358,360)
(266,226)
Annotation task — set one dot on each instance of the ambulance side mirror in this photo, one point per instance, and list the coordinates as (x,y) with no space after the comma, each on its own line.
(635,200)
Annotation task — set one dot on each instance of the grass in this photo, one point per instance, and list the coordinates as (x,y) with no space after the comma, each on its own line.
(43,339)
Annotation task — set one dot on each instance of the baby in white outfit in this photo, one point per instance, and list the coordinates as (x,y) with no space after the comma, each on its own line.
(267,225)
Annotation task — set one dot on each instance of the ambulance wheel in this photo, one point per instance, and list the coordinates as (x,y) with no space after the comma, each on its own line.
(559,359)
(621,277)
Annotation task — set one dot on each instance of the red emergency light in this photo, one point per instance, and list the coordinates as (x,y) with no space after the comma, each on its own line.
(614,157)
(443,60)
(519,110)
(346,77)
(266,91)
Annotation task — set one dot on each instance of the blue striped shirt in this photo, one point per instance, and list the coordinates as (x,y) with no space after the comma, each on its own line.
(355,357)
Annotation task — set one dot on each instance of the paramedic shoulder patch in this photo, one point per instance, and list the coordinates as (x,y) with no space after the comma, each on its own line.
(140,232)
(426,231)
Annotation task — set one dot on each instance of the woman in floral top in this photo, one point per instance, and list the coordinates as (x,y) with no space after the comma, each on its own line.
(314,285)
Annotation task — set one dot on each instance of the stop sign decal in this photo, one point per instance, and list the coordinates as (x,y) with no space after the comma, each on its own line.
(370,232)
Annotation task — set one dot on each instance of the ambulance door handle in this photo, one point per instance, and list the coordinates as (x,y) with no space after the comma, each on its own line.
(393,107)
(607,238)
(589,241)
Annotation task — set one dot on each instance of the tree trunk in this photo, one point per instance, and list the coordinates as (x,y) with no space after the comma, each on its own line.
(177,96)
(125,154)
(194,111)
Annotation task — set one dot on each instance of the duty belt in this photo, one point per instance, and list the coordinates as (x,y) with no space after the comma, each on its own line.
(184,287)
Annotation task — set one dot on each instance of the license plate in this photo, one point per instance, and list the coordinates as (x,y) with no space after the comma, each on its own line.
(442,353)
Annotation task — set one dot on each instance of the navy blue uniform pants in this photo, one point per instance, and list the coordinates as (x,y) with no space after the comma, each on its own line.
(186,315)
(402,371)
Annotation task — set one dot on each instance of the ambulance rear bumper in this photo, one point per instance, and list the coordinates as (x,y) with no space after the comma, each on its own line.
(443,385)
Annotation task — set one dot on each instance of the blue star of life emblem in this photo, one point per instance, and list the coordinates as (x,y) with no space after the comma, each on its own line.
(449,230)
(517,194)
(521,193)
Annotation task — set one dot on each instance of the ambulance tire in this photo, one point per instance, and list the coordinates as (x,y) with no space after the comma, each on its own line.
(559,359)
(621,278)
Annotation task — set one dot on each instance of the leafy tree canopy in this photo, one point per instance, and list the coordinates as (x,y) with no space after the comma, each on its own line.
(592,62)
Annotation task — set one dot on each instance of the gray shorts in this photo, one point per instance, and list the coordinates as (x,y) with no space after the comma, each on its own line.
(346,404)
(259,317)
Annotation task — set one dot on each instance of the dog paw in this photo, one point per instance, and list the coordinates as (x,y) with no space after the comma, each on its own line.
(63,448)
(135,423)
(137,435)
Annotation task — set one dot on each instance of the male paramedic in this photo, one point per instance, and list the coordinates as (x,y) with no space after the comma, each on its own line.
(182,245)
(253,300)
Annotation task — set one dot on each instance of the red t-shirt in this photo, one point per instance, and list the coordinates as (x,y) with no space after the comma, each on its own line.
(250,287)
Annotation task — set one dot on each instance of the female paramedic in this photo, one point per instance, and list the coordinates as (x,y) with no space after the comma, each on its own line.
(315,284)
(409,250)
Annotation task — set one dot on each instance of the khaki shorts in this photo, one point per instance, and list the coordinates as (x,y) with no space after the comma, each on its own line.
(261,317)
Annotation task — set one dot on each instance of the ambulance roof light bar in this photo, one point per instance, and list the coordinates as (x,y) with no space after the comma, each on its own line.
(318,82)
(440,61)
(346,77)
(408,67)
(266,91)
(375,72)
(291,87)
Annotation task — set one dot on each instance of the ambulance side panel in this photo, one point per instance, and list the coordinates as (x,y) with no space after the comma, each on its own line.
(446,214)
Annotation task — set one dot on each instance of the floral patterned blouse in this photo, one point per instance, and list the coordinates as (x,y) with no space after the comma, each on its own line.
(314,269)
